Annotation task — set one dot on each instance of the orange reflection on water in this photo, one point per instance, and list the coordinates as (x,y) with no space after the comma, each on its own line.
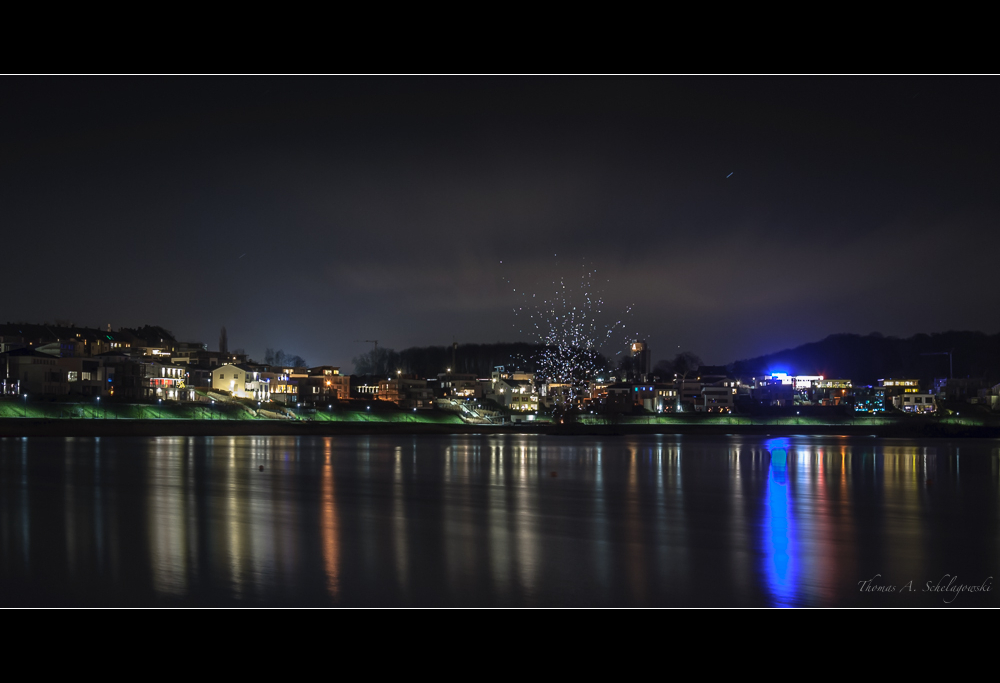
(328,524)
(636,555)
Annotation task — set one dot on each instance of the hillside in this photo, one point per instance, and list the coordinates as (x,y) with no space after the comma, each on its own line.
(866,359)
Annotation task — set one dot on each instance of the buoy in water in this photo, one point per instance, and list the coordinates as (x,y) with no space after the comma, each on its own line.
(261,468)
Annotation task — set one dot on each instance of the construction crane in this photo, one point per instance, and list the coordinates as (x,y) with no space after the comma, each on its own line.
(368,341)
(951,374)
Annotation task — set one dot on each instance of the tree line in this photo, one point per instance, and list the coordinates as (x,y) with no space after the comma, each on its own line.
(473,359)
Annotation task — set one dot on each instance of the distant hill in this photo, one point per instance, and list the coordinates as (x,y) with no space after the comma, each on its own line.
(866,359)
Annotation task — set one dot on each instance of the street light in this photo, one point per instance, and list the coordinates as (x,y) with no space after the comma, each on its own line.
(24,412)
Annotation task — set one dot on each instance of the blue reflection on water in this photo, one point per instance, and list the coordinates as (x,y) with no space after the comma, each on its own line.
(781,561)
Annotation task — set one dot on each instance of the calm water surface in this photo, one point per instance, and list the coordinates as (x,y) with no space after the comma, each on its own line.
(497,521)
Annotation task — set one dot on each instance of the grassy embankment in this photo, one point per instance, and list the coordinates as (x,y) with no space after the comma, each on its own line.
(58,418)
(58,410)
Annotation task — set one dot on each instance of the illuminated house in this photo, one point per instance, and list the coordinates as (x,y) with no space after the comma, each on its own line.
(894,387)
(831,392)
(717,398)
(283,384)
(460,385)
(516,394)
(554,393)
(335,385)
(364,387)
(242,381)
(406,391)
(688,390)
(992,397)
(34,373)
(834,384)
(869,399)
(666,398)
(914,403)
(782,389)
(162,380)
(656,398)
(774,390)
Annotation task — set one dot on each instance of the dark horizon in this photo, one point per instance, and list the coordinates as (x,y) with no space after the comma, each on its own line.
(739,216)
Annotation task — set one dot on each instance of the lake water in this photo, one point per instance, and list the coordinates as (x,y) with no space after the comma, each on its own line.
(499,521)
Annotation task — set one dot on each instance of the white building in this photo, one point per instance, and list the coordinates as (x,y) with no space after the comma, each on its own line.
(512,390)
(797,382)
(163,380)
(915,403)
(241,382)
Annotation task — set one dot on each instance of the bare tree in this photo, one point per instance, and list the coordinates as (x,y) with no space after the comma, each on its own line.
(684,363)
(379,361)
(280,358)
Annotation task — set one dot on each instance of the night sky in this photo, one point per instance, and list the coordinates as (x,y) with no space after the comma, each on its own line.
(306,213)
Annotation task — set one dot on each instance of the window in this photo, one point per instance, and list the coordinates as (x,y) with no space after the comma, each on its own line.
(222,376)
(71,375)
(917,399)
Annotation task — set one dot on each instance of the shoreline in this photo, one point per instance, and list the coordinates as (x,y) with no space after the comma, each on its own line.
(34,427)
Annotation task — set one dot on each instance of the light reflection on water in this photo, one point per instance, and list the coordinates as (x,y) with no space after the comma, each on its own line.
(781,552)
(481,520)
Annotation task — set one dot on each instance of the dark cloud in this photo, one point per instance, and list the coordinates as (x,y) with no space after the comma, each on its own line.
(382,208)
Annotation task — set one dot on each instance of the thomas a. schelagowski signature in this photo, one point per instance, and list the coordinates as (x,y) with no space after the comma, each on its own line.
(948,585)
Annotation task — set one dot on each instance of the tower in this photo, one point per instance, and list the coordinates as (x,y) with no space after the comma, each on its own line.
(640,360)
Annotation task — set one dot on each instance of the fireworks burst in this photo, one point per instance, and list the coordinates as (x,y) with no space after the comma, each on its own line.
(569,324)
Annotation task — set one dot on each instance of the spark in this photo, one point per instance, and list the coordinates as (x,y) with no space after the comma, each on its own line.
(569,328)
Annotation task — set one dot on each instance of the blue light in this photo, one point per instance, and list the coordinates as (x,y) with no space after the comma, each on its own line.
(781,561)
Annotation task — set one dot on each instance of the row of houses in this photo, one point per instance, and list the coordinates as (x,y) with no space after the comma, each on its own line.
(40,373)
(712,389)
(148,364)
